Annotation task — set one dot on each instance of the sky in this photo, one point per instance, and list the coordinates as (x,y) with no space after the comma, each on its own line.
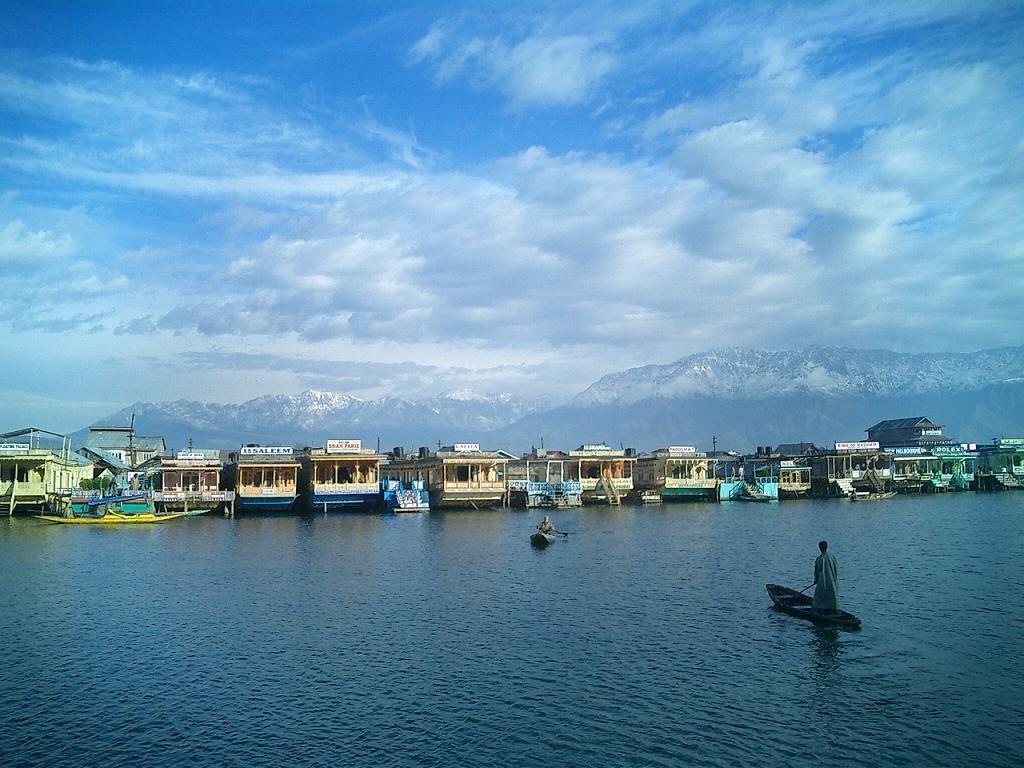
(216,201)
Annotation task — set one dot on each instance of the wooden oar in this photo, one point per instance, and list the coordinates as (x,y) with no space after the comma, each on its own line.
(806,588)
(562,533)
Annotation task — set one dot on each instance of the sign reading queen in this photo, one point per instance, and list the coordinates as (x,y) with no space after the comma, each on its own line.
(266,450)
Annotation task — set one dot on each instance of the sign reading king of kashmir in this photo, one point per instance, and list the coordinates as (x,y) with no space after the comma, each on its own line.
(467,447)
(194,455)
(864,445)
(266,450)
(344,446)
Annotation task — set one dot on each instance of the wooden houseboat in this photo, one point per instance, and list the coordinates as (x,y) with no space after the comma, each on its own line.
(605,474)
(538,479)
(266,478)
(935,469)
(794,478)
(342,476)
(190,482)
(457,476)
(36,477)
(1001,464)
(677,473)
(852,467)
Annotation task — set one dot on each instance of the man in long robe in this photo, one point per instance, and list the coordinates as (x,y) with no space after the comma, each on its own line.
(826,581)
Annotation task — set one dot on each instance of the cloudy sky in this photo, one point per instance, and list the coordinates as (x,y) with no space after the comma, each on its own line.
(405,198)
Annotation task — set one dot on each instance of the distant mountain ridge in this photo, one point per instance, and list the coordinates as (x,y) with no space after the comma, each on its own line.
(312,416)
(737,398)
(828,371)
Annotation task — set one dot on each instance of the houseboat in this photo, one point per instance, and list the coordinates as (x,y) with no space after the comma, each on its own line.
(266,478)
(538,479)
(677,473)
(189,482)
(36,477)
(1001,464)
(605,474)
(342,476)
(457,476)
(852,467)
(935,469)
(729,475)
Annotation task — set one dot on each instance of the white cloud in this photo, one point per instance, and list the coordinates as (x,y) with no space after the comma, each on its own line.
(24,249)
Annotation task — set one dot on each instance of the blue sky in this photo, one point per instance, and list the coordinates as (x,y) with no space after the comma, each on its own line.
(229,200)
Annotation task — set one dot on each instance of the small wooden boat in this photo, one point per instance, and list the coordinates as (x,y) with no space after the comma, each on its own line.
(797,604)
(871,495)
(115,518)
(541,540)
(751,492)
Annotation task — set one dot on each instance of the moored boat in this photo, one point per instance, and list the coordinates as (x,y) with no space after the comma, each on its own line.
(115,518)
(798,604)
(871,495)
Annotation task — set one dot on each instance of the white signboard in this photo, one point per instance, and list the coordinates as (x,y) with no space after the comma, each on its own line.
(864,445)
(344,446)
(14,446)
(467,447)
(191,455)
(596,447)
(266,450)
(679,450)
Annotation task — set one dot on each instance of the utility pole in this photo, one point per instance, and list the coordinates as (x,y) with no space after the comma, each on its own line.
(714,444)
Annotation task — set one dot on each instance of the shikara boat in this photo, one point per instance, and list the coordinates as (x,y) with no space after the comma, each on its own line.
(797,604)
(541,540)
(871,495)
(115,518)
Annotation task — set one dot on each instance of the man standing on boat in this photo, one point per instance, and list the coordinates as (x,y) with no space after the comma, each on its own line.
(826,581)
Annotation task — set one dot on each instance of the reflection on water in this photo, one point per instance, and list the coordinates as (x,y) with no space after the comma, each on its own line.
(827,648)
(644,638)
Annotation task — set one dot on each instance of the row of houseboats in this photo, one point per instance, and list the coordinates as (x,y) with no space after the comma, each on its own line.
(343,475)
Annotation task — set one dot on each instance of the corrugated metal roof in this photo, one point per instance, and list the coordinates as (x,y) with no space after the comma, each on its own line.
(909,423)
(120,439)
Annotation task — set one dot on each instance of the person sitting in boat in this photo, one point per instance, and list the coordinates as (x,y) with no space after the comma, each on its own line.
(826,581)
(546,526)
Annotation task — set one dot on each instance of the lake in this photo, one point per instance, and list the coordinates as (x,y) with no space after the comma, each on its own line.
(644,638)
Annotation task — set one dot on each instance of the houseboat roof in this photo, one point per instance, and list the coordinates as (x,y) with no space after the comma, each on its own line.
(118,438)
(908,423)
(364,453)
(797,449)
(99,456)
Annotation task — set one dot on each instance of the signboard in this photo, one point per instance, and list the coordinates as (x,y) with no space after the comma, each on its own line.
(1010,442)
(863,445)
(679,450)
(952,450)
(191,455)
(344,446)
(467,447)
(907,451)
(787,464)
(266,450)
(596,447)
(14,446)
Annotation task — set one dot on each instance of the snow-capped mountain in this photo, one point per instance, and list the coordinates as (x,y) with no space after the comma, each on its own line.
(740,399)
(735,398)
(312,416)
(828,371)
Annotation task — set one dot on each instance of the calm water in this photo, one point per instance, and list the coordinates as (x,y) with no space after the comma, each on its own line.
(643,639)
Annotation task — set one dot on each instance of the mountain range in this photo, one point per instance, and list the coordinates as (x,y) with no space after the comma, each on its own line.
(730,398)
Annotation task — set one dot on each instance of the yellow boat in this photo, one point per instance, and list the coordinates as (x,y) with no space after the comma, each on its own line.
(111,518)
